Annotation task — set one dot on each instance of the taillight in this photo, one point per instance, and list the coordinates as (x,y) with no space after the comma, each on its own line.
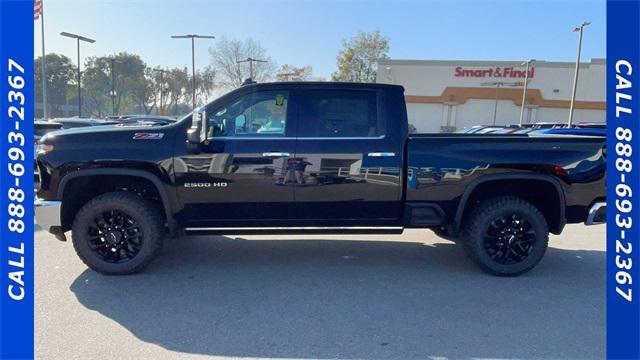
(559,171)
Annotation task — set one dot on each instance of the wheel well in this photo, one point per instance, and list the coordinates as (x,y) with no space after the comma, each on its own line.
(78,191)
(541,193)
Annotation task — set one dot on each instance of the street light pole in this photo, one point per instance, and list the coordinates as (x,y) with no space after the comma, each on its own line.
(524,91)
(78,38)
(193,72)
(193,60)
(79,84)
(495,106)
(498,85)
(579,29)
(251,61)
(113,61)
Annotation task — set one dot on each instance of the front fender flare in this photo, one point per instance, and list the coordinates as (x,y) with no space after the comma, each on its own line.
(166,204)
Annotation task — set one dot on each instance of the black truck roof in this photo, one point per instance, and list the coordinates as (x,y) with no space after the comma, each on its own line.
(322,85)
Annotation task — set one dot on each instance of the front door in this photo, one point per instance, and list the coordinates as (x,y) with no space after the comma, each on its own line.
(239,178)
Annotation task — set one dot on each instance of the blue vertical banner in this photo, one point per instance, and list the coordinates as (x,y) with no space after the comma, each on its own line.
(623,180)
(16,179)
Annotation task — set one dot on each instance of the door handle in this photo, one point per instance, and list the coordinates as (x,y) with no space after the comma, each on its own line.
(381,154)
(275,154)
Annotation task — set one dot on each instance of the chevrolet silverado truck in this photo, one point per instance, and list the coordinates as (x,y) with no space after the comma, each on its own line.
(313,158)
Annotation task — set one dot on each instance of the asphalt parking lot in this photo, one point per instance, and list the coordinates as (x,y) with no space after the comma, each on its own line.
(413,296)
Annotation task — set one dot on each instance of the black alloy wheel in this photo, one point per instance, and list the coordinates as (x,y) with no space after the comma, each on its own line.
(509,239)
(115,236)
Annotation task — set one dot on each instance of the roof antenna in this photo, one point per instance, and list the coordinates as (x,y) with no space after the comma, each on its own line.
(248,81)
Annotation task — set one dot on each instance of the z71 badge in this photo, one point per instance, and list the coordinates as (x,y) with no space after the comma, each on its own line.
(148,136)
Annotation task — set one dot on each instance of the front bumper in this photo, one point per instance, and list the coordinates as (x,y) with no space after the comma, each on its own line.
(597,213)
(48,216)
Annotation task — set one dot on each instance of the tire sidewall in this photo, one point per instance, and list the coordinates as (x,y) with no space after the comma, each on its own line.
(95,261)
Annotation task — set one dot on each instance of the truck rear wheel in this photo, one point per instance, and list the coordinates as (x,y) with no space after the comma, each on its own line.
(506,236)
(117,233)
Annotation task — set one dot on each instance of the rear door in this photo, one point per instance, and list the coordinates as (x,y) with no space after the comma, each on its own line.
(347,167)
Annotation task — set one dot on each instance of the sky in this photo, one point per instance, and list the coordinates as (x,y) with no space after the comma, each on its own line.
(302,33)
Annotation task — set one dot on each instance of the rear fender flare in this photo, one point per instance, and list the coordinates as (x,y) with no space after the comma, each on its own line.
(457,223)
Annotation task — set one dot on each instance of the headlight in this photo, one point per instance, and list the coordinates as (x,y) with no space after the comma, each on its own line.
(43,148)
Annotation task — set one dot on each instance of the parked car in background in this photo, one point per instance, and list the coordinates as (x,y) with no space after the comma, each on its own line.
(547,125)
(573,131)
(504,130)
(583,128)
(118,118)
(470,130)
(146,120)
(523,130)
(489,129)
(591,125)
(479,129)
(69,123)
(134,118)
(40,128)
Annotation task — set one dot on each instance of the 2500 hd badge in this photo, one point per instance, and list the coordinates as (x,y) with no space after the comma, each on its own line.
(206,185)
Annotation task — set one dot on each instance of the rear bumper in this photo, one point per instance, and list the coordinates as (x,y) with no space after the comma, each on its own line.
(48,216)
(597,213)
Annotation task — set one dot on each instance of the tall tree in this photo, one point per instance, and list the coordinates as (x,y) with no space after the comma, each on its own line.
(178,88)
(130,84)
(206,84)
(358,59)
(60,72)
(291,73)
(225,57)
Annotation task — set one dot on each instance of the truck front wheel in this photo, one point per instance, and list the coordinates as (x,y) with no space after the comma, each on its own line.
(506,236)
(117,233)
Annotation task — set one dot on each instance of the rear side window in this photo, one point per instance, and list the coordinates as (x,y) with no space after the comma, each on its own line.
(334,113)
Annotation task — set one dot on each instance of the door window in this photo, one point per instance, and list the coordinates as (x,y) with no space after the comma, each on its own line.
(258,114)
(334,113)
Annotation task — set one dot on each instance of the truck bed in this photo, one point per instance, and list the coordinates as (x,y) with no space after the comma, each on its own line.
(442,168)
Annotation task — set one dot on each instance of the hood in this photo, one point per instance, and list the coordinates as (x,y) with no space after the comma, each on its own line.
(90,131)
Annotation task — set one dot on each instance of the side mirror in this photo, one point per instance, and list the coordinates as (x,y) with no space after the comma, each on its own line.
(197,133)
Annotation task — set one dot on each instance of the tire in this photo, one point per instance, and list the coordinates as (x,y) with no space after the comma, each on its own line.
(117,233)
(506,236)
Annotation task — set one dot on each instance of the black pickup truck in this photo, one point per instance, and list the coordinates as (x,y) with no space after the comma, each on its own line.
(313,158)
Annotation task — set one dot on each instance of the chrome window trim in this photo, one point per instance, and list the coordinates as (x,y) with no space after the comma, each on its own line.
(295,228)
(380,137)
(252,138)
(294,138)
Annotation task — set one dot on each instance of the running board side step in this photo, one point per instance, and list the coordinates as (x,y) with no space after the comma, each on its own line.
(297,230)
